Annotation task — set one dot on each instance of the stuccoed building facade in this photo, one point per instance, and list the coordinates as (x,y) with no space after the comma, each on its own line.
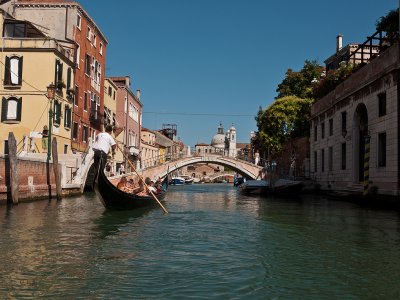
(360,115)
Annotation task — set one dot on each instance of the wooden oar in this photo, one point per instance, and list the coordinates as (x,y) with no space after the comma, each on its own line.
(141,178)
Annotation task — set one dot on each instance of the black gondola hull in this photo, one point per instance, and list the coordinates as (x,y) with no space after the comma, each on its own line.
(114,198)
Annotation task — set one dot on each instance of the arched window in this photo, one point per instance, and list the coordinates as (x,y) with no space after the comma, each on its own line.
(11,110)
(13,71)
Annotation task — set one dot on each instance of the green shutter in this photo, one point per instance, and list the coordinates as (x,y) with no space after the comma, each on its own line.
(60,72)
(55,73)
(7,73)
(21,62)
(19,109)
(68,78)
(4,109)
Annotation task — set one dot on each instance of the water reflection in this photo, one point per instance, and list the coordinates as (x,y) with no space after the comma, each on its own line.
(214,243)
(111,222)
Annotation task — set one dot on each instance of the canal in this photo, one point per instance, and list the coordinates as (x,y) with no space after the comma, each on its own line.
(214,244)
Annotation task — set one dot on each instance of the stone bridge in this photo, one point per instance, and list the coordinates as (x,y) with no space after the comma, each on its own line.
(244,168)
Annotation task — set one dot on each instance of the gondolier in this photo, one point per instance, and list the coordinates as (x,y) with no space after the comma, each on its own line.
(104,142)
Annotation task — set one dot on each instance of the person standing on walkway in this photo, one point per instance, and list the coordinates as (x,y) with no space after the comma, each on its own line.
(104,142)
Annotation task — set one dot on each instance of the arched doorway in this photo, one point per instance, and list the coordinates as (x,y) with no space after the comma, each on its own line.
(360,131)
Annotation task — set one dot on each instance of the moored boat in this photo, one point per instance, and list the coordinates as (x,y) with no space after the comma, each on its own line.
(114,198)
(279,187)
(188,179)
(177,180)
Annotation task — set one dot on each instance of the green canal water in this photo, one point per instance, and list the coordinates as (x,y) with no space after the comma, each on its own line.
(214,244)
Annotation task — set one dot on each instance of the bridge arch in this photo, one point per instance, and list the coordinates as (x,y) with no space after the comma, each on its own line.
(246,169)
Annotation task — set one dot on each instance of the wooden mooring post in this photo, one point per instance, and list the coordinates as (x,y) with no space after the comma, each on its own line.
(12,156)
(57,174)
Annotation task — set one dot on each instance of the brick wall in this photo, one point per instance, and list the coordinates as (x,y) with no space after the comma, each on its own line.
(32,179)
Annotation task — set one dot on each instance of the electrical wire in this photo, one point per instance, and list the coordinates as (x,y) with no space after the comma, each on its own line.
(197,114)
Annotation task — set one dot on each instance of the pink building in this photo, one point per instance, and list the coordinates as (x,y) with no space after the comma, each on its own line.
(129,115)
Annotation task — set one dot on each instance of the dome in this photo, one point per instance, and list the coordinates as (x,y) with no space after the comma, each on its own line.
(218,141)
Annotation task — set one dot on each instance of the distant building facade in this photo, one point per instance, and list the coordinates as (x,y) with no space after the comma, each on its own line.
(129,115)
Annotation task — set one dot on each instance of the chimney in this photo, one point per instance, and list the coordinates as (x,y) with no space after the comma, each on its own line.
(138,94)
(339,42)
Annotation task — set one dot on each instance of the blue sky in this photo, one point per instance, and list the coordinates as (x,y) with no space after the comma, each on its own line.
(201,62)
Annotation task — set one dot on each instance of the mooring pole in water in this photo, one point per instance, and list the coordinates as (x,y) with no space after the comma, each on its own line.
(12,156)
(56,170)
(366,164)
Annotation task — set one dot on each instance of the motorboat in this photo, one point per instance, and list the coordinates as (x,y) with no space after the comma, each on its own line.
(177,180)
(188,179)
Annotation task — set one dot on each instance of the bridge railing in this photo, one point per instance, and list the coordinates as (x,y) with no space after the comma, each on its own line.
(161,159)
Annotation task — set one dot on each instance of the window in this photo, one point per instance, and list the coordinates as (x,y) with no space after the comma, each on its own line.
(315,161)
(57,112)
(323,160)
(85,134)
(343,156)
(315,133)
(382,149)
(85,101)
(16,30)
(381,104)
(13,71)
(101,48)
(114,95)
(11,109)
(322,130)
(109,91)
(65,149)
(344,123)
(78,21)
(87,64)
(75,131)
(76,98)
(78,55)
(94,40)
(67,116)
(330,159)
(89,34)
(58,72)
(330,127)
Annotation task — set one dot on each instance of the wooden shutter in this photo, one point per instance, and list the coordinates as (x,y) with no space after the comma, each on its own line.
(7,72)
(60,71)
(19,109)
(21,62)
(58,113)
(68,78)
(4,109)
(55,72)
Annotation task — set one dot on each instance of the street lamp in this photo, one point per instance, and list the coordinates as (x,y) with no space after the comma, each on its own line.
(51,93)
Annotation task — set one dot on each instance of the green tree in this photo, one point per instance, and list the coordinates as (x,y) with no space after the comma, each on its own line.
(285,118)
(300,83)
(390,25)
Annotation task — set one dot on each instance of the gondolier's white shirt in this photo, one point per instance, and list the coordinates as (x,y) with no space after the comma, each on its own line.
(104,141)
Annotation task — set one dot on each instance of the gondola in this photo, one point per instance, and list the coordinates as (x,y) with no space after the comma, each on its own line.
(114,198)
